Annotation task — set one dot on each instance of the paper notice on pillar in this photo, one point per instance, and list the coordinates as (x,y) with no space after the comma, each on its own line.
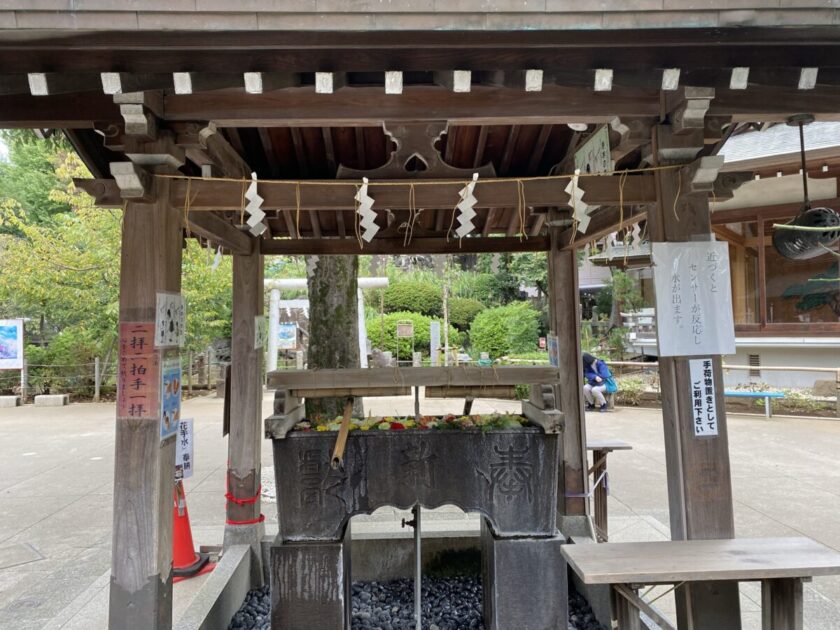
(693,298)
(703,402)
(170,395)
(170,320)
(184,449)
(138,376)
(260,331)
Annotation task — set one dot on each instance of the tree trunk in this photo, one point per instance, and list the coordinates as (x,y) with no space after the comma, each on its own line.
(333,325)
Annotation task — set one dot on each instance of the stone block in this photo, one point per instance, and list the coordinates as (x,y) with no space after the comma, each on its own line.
(9,401)
(525,582)
(52,400)
(310,586)
(509,476)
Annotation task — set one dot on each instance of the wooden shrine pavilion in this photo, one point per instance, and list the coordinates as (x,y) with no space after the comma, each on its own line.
(174,105)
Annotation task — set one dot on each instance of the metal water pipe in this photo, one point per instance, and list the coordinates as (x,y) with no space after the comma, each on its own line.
(287,284)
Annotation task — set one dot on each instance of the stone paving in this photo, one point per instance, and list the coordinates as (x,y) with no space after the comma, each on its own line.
(56,479)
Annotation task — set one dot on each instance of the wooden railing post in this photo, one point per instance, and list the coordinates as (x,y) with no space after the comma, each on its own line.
(244,520)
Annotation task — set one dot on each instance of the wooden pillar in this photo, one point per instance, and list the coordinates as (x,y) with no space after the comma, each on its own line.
(564,306)
(144,466)
(699,479)
(244,524)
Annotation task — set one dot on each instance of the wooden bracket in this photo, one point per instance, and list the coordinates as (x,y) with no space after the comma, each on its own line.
(700,175)
(415,143)
(162,151)
(627,136)
(140,111)
(687,107)
(726,184)
(134,181)
(679,147)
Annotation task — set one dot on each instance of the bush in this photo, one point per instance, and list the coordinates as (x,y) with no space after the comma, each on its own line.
(65,366)
(414,296)
(462,312)
(505,329)
(387,342)
(630,390)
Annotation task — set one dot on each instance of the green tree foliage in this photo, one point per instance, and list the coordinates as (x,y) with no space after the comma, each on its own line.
(506,329)
(462,312)
(382,333)
(63,274)
(530,269)
(420,297)
(28,177)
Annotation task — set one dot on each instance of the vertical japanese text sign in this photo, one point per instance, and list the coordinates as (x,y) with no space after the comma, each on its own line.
(693,298)
(703,402)
(184,449)
(138,380)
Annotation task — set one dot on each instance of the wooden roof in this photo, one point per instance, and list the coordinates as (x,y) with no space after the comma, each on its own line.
(320,106)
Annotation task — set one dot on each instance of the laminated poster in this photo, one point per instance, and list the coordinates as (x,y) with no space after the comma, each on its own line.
(170,405)
(11,344)
(170,320)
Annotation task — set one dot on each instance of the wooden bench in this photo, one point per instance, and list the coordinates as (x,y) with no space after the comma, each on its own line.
(601,482)
(780,564)
(765,395)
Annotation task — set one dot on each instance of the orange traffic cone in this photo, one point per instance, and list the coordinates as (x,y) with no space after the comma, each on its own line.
(185,561)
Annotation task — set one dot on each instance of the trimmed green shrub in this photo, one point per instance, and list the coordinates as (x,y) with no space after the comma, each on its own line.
(505,329)
(462,312)
(418,297)
(382,333)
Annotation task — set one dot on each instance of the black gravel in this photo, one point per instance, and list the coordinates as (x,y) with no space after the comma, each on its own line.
(448,604)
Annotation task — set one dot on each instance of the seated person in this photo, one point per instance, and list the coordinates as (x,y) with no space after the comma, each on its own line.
(595,373)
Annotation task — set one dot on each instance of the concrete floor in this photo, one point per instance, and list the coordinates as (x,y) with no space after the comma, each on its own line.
(56,479)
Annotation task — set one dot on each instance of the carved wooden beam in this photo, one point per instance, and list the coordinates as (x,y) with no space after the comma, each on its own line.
(223,155)
(687,107)
(134,182)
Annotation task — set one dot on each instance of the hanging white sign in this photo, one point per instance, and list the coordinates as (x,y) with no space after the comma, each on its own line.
(170,320)
(693,298)
(703,403)
(287,336)
(184,449)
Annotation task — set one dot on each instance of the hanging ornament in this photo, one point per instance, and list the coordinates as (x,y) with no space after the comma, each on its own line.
(610,248)
(366,213)
(581,210)
(217,259)
(311,264)
(253,208)
(636,237)
(466,213)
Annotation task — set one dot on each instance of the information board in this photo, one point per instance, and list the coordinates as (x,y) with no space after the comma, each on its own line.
(184,449)
(286,336)
(11,344)
(138,379)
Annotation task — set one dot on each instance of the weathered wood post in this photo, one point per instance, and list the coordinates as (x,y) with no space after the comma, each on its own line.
(244,519)
(97,379)
(573,518)
(144,466)
(699,478)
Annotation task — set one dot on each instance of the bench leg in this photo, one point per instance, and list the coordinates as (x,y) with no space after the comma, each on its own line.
(599,495)
(781,604)
(626,614)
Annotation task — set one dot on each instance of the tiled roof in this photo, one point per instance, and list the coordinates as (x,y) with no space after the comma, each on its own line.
(780,140)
